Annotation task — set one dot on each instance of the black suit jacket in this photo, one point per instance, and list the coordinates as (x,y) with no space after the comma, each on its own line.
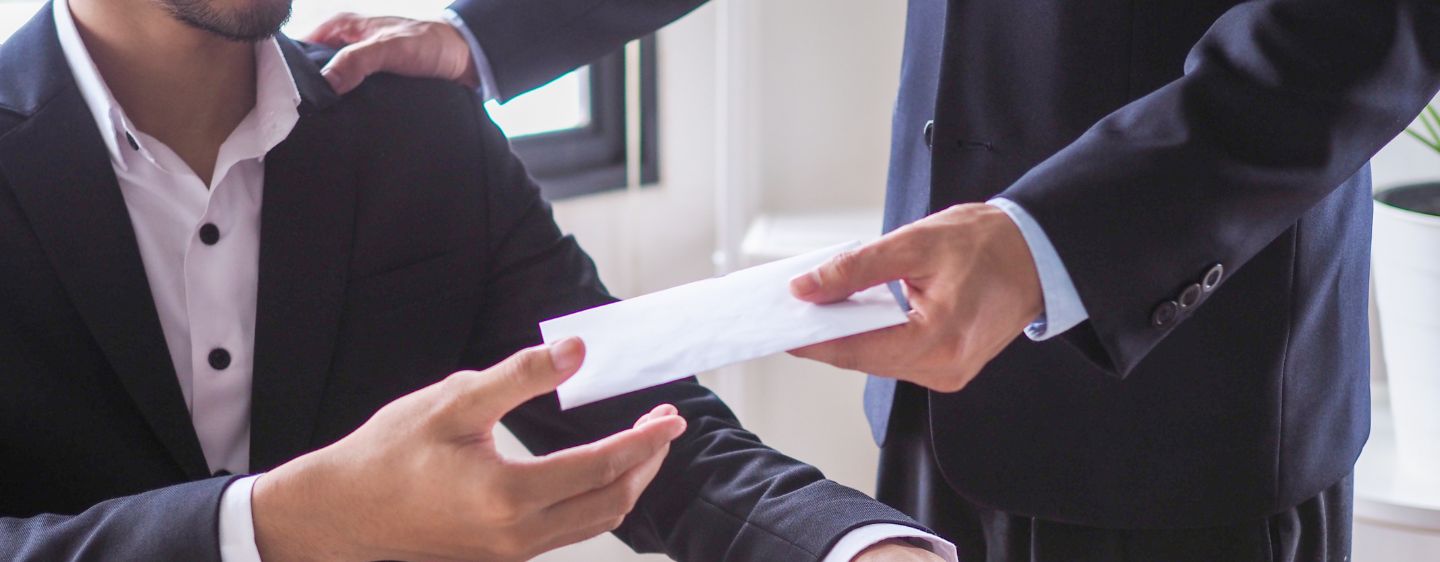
(1152,141)
(401,241)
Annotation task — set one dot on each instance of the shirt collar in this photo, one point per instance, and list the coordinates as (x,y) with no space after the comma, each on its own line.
(275,113)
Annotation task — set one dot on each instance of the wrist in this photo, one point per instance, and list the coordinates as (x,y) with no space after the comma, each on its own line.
(1013,256)
(466,72)
(296,516)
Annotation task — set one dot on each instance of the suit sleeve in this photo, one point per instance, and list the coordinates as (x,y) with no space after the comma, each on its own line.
(721,493)
(1281,102)
(531,42)
(174,523)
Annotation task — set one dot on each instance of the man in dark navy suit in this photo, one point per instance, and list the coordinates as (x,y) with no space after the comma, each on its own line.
(1169,199)
(231,304)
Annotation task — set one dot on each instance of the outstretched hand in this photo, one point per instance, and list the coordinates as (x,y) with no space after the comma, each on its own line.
(415,48)
(972,287)
(422,479)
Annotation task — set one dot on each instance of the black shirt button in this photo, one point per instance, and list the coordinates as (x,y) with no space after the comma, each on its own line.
(209,234)
(219,358)
(133,143)
(221,472)
(1190,296)
(1165,314)
(1213,277)
(929,134)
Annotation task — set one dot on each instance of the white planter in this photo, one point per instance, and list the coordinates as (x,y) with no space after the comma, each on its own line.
(1407,277)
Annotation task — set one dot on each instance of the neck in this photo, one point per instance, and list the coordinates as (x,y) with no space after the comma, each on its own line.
(186,87)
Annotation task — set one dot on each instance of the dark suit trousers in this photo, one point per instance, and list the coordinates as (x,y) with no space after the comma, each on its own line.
(1317,530)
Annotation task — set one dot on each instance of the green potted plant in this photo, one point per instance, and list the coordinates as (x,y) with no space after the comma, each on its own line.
(1407,277)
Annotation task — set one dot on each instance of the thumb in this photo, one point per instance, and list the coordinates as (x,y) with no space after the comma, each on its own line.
(882,261)
(352,65)
(481,398)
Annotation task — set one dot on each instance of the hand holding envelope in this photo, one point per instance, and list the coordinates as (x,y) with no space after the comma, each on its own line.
(672,334)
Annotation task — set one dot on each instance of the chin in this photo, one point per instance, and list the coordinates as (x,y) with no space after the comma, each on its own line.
(236,20)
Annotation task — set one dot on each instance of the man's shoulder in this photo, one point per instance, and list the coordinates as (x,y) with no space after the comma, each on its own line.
(400,94)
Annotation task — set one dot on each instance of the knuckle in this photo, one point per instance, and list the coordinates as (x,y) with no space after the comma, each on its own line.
(845,264)
(504,507)
(502,513)
(507,546)
(528,360)
(620,504)
(614,523)
(611,469)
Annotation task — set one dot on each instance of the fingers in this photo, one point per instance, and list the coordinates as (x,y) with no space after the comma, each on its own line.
(887,259)
(478,399)
(349,68)
(658,411)
(566,474)
(338,31)
(885,352)
(603,509)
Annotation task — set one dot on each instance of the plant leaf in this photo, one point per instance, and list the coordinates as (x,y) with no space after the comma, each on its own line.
(1427,142)
(1426,117)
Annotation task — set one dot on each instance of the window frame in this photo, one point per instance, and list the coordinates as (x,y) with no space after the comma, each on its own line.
(593,158)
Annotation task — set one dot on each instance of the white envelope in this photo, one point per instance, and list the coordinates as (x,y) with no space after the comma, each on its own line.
(675,333)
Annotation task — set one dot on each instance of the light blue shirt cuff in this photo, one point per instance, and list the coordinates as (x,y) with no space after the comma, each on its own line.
(861,538)
(1063,309)
(488,90)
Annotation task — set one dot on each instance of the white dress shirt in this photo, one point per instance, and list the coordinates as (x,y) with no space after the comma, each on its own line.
(199,240)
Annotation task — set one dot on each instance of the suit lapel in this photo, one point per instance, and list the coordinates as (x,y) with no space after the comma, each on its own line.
(61,175)
(306,230)
(59,171)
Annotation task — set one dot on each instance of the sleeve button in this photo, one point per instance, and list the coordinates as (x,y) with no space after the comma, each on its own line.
(1190,296)
(1213,277)
(1165,314)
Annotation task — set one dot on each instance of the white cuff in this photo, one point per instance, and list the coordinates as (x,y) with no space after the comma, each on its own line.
(1063,309)
(865,537)
(488,90)
(237,526)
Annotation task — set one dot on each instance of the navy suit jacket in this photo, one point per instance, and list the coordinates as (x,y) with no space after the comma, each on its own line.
(401,241)
(1153,141)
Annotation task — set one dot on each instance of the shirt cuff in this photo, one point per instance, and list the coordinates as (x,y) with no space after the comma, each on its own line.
(477,54)
(1063,309)
(237,526)
(865,537)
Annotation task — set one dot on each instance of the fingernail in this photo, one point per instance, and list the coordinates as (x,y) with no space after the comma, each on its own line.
(565,354)
(804,284)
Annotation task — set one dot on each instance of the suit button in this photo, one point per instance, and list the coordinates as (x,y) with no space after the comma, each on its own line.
(929,134)
(1190,296)
(219,358)
(209,234)
(1213,277)
(1164,314)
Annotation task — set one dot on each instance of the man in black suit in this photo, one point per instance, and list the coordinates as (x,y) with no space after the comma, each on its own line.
(1178,218)
(213,264)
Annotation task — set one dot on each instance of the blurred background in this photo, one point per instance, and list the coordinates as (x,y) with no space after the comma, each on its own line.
(721,144)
